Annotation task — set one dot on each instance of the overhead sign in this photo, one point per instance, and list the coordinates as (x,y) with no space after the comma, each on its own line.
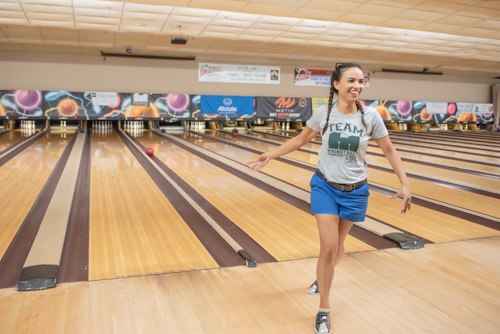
(289,109)
(239,73)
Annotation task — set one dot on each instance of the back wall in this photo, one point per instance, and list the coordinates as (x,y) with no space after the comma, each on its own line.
(46,71)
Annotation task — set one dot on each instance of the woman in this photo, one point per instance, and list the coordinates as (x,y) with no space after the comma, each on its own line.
(339,188)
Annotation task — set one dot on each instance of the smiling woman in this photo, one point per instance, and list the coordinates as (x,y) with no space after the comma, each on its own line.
(339,188)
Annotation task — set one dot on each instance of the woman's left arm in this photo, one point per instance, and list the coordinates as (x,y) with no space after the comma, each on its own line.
(392,155)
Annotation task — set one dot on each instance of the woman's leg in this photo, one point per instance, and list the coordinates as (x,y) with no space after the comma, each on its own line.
(332,233)
(344,228)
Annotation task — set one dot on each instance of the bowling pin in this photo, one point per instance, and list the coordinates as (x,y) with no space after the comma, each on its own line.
(288,125)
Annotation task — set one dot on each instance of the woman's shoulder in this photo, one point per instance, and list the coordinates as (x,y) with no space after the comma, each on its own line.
(369,110)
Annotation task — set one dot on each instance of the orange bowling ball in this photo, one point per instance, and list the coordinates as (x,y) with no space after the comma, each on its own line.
(467,117)
(142,111)
(384,112)
(425,115)
(68,107)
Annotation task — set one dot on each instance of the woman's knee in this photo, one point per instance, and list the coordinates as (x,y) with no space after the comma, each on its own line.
(329,252)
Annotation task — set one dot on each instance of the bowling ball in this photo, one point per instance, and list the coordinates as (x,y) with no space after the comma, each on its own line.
(384,112)
(68,107)
(452,107)
(235,132)
(142,111)
(425,115)
(150,151)
(178,103)
(29,100)
(404,108)
(467,117)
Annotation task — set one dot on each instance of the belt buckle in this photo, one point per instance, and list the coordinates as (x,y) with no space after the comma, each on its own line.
(349,187)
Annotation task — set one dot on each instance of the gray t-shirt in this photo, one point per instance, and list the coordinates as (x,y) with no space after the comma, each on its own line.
(344,144)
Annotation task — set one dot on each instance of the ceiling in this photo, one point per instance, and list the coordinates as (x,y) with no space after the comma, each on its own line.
(458,37)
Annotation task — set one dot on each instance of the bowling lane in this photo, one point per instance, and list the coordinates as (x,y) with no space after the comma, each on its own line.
(457,197)
(415,156)
(134,230)
(283,230)
(431,147)
(430,224)
(430,137)
(23,177)
(10,138)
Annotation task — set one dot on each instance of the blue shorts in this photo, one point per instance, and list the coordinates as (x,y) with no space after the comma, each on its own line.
(349,205)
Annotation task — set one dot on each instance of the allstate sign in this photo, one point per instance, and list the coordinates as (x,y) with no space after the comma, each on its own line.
(226,106)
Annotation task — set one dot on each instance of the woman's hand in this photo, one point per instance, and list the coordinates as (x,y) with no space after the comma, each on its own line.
(405,193)
(259,163)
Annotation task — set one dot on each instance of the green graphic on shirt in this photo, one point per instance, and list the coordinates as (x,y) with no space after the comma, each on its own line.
(343,147)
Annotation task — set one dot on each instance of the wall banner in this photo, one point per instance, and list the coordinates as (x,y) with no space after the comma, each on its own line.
(239,73)
(318,102)
(21,104)
(227,107)
(319,78)
(104,99)
(312,77)
(288,109)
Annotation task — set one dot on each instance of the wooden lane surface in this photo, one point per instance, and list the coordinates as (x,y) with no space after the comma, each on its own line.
(421,156)
(421,221)
(468,152)
(444,145)
(450,140)
(454,177)
(283,230)
(134,230)
(442,288)
(444,161)
(22,179)
(10,138)
(474,202)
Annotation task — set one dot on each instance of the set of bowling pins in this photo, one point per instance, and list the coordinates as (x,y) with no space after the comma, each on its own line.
(285,125)
(135,132)
(443,127)
(134,125)
(27,124)
(403,126)
(197,126)
(102,126)
(62,124)
(28,132)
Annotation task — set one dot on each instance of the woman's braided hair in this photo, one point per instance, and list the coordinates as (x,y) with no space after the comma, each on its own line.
(339,70)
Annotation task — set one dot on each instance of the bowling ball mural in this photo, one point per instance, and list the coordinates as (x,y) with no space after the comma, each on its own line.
(64,104)
(420,114)
(124,109)
(397,111)
(21,103)
(176,106)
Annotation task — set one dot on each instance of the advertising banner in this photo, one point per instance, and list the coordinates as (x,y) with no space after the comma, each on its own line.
(239,73)
(320,78)
(176,106)
(21,104)
(227,107)
(312,77)
(318,102)
(288,109)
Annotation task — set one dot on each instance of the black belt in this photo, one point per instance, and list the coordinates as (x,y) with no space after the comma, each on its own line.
(341,187)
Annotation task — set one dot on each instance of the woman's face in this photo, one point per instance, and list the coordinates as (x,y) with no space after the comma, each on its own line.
(350,85)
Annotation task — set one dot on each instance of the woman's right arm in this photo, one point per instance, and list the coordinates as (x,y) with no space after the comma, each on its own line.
(289,146)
